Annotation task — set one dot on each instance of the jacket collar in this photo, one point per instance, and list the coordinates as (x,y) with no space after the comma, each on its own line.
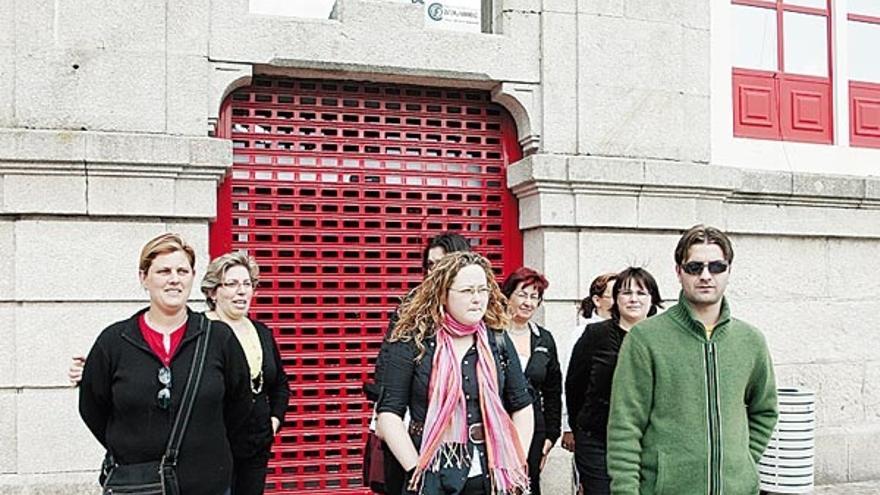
(132,332)
(683,313)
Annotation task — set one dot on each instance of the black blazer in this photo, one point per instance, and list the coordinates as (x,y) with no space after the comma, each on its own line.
(590,372)
(256,438)
(117,401)
(545,379)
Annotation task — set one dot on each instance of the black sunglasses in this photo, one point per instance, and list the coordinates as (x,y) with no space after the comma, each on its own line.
(696,267)
(163,398)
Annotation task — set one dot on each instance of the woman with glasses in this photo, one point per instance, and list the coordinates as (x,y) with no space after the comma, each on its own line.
(136,372)
(229,285)
(460,380)
(588,381)
(536,350)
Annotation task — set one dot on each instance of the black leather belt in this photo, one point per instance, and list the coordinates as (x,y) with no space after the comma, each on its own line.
(476,433)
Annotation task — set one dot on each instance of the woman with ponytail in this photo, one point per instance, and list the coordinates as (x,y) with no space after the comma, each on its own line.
(461,381)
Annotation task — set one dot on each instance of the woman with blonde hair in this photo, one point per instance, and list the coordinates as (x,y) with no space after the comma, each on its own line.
(462,383)
(229,285)
(142,369)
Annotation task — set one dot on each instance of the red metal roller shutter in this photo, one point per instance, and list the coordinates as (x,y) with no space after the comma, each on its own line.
(335,188)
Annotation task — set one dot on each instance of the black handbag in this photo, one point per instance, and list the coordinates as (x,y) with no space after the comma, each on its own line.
(160,477)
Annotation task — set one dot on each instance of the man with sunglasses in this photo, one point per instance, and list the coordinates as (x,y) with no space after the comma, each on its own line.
(693,399)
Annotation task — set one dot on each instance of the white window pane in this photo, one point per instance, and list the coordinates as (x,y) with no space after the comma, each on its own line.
(805,44)
(864,7)
(754,38)
(864,39)
(816,4)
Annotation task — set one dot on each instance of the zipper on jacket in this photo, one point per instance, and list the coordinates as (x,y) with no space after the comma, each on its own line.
(714,419)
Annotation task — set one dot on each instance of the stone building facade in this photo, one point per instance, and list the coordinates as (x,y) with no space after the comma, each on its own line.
(623,113)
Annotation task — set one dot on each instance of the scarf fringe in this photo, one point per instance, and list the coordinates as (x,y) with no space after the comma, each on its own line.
(509,482)
(450,455)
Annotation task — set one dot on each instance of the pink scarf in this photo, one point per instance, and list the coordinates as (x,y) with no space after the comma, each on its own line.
(445,441)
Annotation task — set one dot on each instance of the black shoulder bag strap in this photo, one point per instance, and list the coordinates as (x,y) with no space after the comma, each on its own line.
(175,439)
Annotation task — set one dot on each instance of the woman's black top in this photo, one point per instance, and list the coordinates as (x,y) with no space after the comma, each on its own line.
(405,385)
(117,401)
(256,437)
(545,379)
(590,371)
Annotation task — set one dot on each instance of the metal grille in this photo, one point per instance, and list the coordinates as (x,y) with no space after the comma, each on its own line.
(335,188)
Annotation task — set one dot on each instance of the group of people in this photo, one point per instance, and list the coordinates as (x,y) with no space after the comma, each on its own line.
(469,388)
(469,392)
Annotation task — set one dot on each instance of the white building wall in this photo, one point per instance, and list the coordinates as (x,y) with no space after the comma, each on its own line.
(105,109)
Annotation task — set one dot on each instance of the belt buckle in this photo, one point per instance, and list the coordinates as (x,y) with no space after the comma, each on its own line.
(475,434)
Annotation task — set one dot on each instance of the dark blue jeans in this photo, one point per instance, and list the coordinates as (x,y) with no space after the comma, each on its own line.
(589,457)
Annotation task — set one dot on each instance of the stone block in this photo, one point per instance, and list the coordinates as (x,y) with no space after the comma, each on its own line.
(606,210)
(665,174)
(138,27)
(540,167)
(39,148)
(9,452)
(663,212)
(116,148)
(760,273)
(560,251)
(862,446)
(7,82)
(871,391)
(603,252)
(88,89)
(54,194)
(74,254)
(46,416)
(560,80)
(664,11)
(523,5)
(838,391)
(611,8)
(559,6)
(606,170)
(146,196)
(70,483)
(629,54)
(853,266)
(187,96)
(831,456)
(195,198)
(765,182)
(696,124)
(555,209)
(529,212)
(828,186)
(558,318)
(629,122)
(212,152)
(872,188)
(779,219)
(7,25)
(694,74)
(188,27)
(7,259)
(45,345)
(31,23)
(8,351)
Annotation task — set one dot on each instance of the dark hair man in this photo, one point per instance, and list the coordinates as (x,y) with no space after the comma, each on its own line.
(693,400)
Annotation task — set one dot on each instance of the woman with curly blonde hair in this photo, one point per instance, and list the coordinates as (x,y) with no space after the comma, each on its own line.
(460,380)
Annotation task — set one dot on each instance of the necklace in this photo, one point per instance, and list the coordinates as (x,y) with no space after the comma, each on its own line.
(519,332)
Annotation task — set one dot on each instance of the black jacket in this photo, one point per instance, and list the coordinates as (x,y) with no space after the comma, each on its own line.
(545,378)
(590,371)
(117,401)
(256,437)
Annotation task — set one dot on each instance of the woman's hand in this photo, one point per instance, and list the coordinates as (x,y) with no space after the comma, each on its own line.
(75,372)
(568,441)
(548,446)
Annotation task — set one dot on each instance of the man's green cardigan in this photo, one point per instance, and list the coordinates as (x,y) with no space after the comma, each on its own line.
(689,414)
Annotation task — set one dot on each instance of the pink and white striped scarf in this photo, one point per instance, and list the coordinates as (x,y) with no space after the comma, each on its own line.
(445,438)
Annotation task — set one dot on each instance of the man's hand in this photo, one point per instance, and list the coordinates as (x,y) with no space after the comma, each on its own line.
(276,423)
(568,441)
(75,373)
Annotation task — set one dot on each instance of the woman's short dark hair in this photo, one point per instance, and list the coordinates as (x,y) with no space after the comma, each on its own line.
(449,242)
(526,276)
(643,279)
(597,288)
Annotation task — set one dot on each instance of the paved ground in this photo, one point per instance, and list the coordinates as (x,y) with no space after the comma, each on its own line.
(866,488)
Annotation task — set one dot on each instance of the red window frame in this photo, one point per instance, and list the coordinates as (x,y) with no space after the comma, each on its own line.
(864,103)
(784,106)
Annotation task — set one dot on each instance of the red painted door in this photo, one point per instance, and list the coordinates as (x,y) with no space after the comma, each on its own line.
(335,188)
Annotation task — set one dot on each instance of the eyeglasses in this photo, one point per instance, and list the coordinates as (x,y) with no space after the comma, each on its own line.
(235,284)
(696,267)
(532,297)
(163,398)
(472,291)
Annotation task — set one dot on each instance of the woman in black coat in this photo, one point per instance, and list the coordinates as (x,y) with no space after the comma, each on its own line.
(591,369)
(229,285)
(536,349)
(137,370)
